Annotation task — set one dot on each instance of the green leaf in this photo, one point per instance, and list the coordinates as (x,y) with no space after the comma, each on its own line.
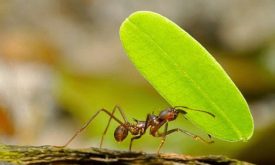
(185,74)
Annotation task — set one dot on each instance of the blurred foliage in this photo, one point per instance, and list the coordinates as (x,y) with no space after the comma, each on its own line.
(244,71)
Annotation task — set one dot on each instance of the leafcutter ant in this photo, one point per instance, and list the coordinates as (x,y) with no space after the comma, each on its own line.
(152,122)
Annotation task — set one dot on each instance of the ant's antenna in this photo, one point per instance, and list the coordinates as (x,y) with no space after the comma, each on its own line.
(209,113)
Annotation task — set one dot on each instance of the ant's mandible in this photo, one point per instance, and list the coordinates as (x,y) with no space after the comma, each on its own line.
(137,129)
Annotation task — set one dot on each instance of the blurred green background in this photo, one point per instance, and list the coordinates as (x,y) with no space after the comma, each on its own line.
(62,60)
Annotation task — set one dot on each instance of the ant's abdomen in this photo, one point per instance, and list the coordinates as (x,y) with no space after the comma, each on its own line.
(120,133)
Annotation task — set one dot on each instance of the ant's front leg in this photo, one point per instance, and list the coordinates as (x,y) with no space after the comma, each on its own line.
(195,137)
(146,125)
(165,133)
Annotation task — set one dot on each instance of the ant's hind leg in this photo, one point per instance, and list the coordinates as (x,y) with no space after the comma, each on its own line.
(109,121)
(87,124)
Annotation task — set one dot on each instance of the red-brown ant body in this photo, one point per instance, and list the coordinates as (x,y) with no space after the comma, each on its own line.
(152,122)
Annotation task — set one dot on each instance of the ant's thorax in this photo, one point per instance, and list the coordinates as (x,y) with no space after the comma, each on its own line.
(136,128)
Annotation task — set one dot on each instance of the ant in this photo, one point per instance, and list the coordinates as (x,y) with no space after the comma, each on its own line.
(137,129)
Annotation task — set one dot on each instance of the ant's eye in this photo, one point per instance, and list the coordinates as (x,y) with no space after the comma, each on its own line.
(120,133)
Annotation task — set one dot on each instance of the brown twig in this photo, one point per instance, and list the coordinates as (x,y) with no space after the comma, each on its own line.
(11,154)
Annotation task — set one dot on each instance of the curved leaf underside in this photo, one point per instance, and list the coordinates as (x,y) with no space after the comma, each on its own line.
(184,73)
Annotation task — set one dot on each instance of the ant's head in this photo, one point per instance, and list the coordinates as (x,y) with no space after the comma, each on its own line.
(169,114)
(120,133)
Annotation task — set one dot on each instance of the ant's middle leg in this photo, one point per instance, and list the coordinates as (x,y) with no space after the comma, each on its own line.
(163,136)
(88,123)
(132,139)
(111,117)
(141,133)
